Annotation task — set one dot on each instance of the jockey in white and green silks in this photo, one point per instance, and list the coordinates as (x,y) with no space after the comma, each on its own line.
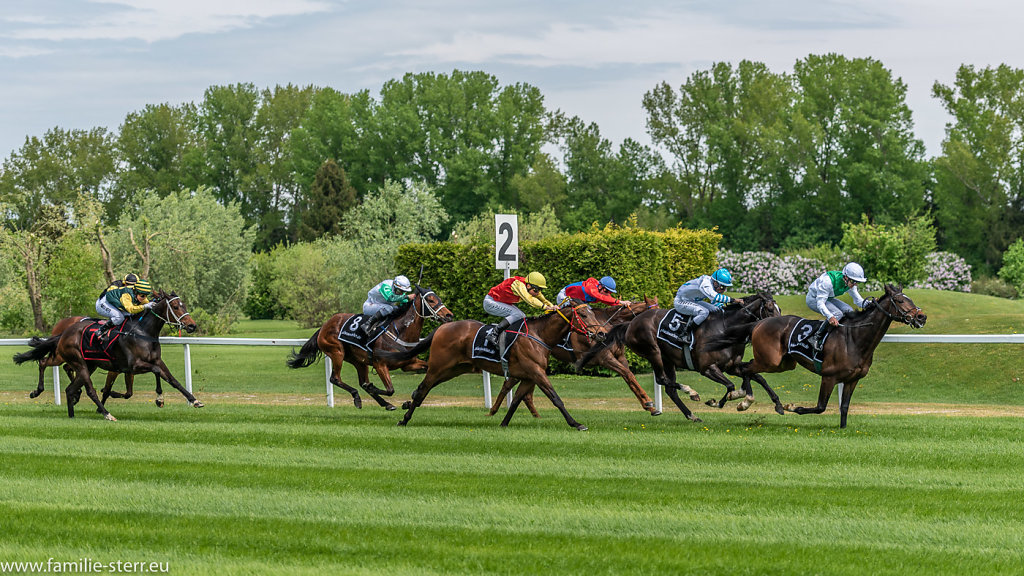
(822,296)
(383,299)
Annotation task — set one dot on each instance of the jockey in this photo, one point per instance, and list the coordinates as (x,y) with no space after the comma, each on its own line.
(822,296)
(591,290)
(501,300)
(130,295)
(383,299)
(691,296)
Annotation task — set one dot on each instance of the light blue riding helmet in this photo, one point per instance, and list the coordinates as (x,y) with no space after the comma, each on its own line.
(722,276)
(608,282)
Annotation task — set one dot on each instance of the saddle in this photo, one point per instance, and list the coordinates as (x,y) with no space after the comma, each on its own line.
(484,350)
(95,346)
(670,330)
(351,332)
(799,340)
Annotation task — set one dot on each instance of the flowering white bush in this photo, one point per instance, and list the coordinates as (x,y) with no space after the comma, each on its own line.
(946,271)
(754,271)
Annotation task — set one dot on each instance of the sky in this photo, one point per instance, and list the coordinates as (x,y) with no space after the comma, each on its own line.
(80,64)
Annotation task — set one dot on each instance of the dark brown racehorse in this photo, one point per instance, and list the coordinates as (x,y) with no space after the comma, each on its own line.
(451,355)
(613,357)
(401,333)
(129,379)
(137,351)
(848,350)
(641,336)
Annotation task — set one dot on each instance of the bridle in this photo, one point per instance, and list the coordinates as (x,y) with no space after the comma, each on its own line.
(762,311)
(904,316)
(429,311)
(586,329)
(171,317)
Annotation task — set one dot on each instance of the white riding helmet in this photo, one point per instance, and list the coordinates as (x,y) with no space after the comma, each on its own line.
(854,272)
(402,283)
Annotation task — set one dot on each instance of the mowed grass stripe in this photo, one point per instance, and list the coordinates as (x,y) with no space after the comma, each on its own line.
(303,490)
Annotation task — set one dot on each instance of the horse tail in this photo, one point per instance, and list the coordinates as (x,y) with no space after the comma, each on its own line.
(396,356)
(41,348)
(615,336)
(732,335)
(308,354)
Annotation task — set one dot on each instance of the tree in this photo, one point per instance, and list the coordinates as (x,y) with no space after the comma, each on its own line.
(533,226)
(53,170)
(330,197)
(979,192)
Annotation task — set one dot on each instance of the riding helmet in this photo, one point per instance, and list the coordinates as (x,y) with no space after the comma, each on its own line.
(402,283)
(722,276)
(608,282)
(143,287)
(854,272)
(536,279)
(130,279)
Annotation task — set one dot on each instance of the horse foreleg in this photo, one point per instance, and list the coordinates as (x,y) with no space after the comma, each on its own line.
(373,391)
(715,374)
(827,385)
(549,391)
(160,369)
(620,365)
(83,378)
(159,393)
(674,395)
(506,387)
(844,405)
(771,393)
(525,389)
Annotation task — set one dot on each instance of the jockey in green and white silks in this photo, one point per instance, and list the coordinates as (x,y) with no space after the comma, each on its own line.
(383,299)
(127,296)
(701,296)
(822,296)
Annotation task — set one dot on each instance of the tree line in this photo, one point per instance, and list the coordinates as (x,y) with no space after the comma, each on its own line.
(777,161)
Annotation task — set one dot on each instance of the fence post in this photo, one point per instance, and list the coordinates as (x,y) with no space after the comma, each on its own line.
(657,393)
(56,385)
(188,368)
(487,390)
(328,368)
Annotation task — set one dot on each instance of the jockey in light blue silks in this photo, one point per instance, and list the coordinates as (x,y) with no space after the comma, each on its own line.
(822,296)
(383,299)
(702,295)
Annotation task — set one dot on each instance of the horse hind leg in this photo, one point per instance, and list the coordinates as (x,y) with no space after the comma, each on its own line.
(43,365)
(374,392)
(674,395)
(506,387)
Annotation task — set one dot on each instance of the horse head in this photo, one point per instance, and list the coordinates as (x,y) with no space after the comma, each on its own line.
(898,306)
(758,306)
(171,309)
(582,319)
(429,305)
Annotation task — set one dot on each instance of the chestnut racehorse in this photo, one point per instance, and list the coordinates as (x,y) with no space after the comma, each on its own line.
(613,357)
(401,333)
(451,354)
(848,349)
(137,351)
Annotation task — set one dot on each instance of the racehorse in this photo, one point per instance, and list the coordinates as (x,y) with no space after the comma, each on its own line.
(138,351)
(847,351)
(451,354)
(54,360)
(613,358)
(641,336)
(401,333)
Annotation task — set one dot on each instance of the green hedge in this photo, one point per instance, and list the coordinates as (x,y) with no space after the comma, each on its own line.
(641,261)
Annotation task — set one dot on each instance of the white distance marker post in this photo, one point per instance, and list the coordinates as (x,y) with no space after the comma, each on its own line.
(506,259)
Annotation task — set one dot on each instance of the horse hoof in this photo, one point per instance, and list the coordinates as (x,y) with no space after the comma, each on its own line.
(403,422)
(789,407)
(695,419)
(197,404)
(358,402)
(779,410)
(34,393)
(389,408)
(744,405)
(712,403)
(406,405)
(695,397)
(110,417)
(582,428)
(159,402)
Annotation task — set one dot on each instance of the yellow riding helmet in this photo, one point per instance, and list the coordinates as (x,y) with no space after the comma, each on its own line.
(143,287)
(536,279)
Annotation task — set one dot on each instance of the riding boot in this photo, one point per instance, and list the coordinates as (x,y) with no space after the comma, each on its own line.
(500,327)
(688,329)
(815,340)
(372,322)
(103,331)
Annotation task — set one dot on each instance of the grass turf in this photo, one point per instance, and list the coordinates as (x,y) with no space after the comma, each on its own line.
(240,489)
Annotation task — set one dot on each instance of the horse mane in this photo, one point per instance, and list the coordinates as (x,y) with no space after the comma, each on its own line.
(869,305)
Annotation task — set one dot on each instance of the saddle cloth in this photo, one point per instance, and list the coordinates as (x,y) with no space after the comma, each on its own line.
(92,345)
(670,329)
(350,332)
(799,336)
(484,350)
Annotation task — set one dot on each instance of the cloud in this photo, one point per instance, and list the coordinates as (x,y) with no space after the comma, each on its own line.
(150,20)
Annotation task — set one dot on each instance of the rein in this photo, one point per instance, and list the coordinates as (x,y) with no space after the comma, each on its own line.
(176,320)
(576,315)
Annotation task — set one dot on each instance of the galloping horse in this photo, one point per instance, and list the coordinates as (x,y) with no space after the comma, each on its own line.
(847,352)
(613,357)
(451,354)
(55,360)
(641,336)
(137,351)
(401,333)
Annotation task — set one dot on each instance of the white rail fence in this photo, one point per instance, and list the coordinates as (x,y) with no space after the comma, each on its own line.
(187,342)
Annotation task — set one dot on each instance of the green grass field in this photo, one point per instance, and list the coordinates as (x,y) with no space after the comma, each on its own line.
(266,479)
